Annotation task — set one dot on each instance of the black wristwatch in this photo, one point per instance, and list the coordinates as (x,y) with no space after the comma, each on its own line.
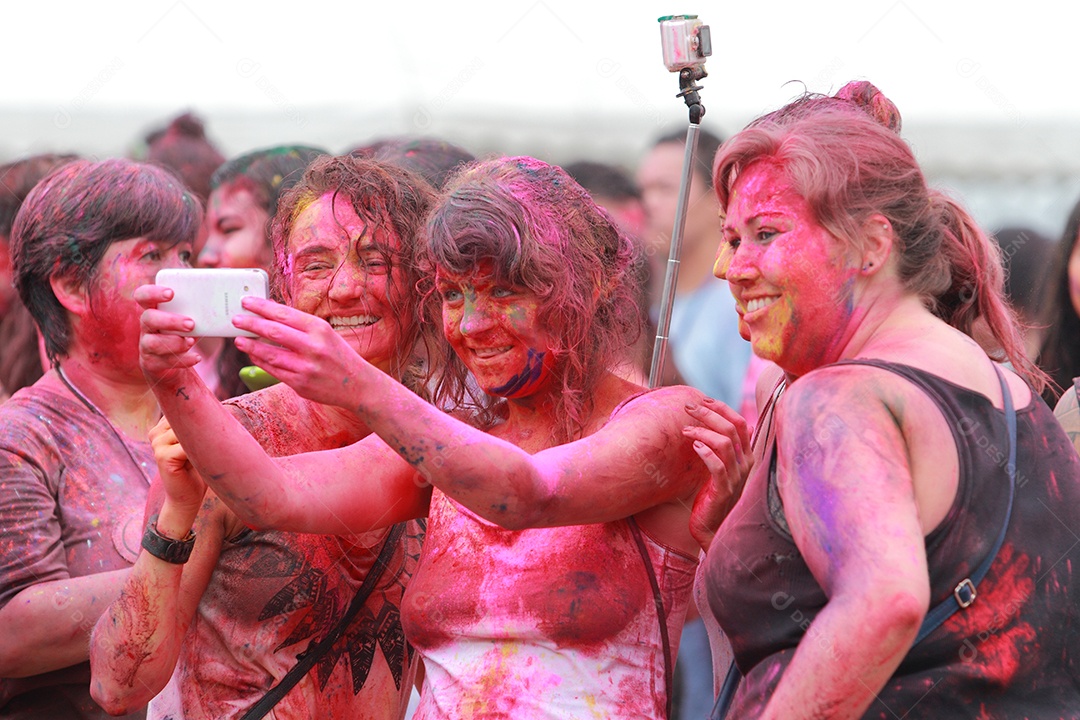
(167,549)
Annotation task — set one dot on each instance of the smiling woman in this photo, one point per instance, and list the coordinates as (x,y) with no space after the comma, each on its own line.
(903,464)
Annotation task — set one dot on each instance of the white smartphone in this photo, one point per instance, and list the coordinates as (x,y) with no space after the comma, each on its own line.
(211,296)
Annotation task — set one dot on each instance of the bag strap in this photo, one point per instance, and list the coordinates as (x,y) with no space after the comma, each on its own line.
(964,593)
(317,649)
(660,612)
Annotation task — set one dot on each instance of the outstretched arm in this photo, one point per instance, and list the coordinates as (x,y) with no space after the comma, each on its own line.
(354,489)
(136,643)
(639,460)
(845,479)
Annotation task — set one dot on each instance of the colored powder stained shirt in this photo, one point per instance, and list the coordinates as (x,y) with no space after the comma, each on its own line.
(1014,653)
(72,495)
(541,623)
(274,593)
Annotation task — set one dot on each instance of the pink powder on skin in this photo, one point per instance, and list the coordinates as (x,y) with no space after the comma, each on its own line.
(795,292)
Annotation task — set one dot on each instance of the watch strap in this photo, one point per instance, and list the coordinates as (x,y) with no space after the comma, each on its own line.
(172,551)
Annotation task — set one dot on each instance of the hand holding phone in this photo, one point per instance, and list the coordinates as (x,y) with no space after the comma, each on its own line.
(211,297)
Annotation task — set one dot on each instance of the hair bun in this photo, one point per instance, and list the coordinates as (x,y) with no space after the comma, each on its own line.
(872,101)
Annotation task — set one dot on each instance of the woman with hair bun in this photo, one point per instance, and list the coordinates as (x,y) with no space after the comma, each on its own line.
(882,492)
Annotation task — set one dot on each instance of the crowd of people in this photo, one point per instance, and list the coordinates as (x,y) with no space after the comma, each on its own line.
(453,490)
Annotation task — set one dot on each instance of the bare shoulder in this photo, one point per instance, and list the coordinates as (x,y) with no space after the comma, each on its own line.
(839,389)
(669,396)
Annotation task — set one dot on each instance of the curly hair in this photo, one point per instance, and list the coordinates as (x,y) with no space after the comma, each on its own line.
(845,157)
(539,230)
(389,199)
(75,213)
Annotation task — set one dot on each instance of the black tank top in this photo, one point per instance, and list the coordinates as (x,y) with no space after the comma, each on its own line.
(1012,654)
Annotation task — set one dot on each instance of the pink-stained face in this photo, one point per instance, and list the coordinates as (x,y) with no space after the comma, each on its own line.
(494,329)
(338,269)
(109,331)
(792,282)
(236,232)
(1074,277)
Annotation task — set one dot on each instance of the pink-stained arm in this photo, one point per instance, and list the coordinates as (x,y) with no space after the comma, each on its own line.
(354,489)
(845,480)
(639,460)
(1067,412)
(136,643)
(47,625)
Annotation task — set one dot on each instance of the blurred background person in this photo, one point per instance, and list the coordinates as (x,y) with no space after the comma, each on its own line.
(613,189)
(1059,354)
(1027,255)
(75,465)
(704,341)
(22,357)
(183,148)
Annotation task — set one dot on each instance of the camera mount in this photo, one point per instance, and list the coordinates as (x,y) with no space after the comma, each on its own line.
(688,88)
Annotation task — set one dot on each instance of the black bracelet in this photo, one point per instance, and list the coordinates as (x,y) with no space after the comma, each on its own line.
(172,551)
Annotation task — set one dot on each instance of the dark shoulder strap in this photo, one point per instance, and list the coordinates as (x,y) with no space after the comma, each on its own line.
(317,649)
(660,612)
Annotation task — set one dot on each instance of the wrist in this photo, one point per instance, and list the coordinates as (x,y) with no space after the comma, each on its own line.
(175,551)
(174,521)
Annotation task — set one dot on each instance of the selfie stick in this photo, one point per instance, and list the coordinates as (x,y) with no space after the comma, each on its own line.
(688,78)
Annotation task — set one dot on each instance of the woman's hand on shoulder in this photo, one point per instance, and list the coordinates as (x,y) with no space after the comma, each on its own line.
(721,438)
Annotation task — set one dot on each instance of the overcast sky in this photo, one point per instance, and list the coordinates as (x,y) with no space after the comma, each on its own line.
(992,61)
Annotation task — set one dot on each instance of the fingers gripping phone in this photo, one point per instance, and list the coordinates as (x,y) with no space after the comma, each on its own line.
(211,297)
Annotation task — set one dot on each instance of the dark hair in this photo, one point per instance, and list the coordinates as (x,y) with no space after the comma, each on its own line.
(541,231)
(1026,254)
(18,178)
(183,149)
(603,180)
(70,219)
(1059,355)
(432,159)
(707,146)
(845,157)
(390,199)
(266,173)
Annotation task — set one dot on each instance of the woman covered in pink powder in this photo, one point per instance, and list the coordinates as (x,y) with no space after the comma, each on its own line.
(906,543)
(558,560)
(75,464)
